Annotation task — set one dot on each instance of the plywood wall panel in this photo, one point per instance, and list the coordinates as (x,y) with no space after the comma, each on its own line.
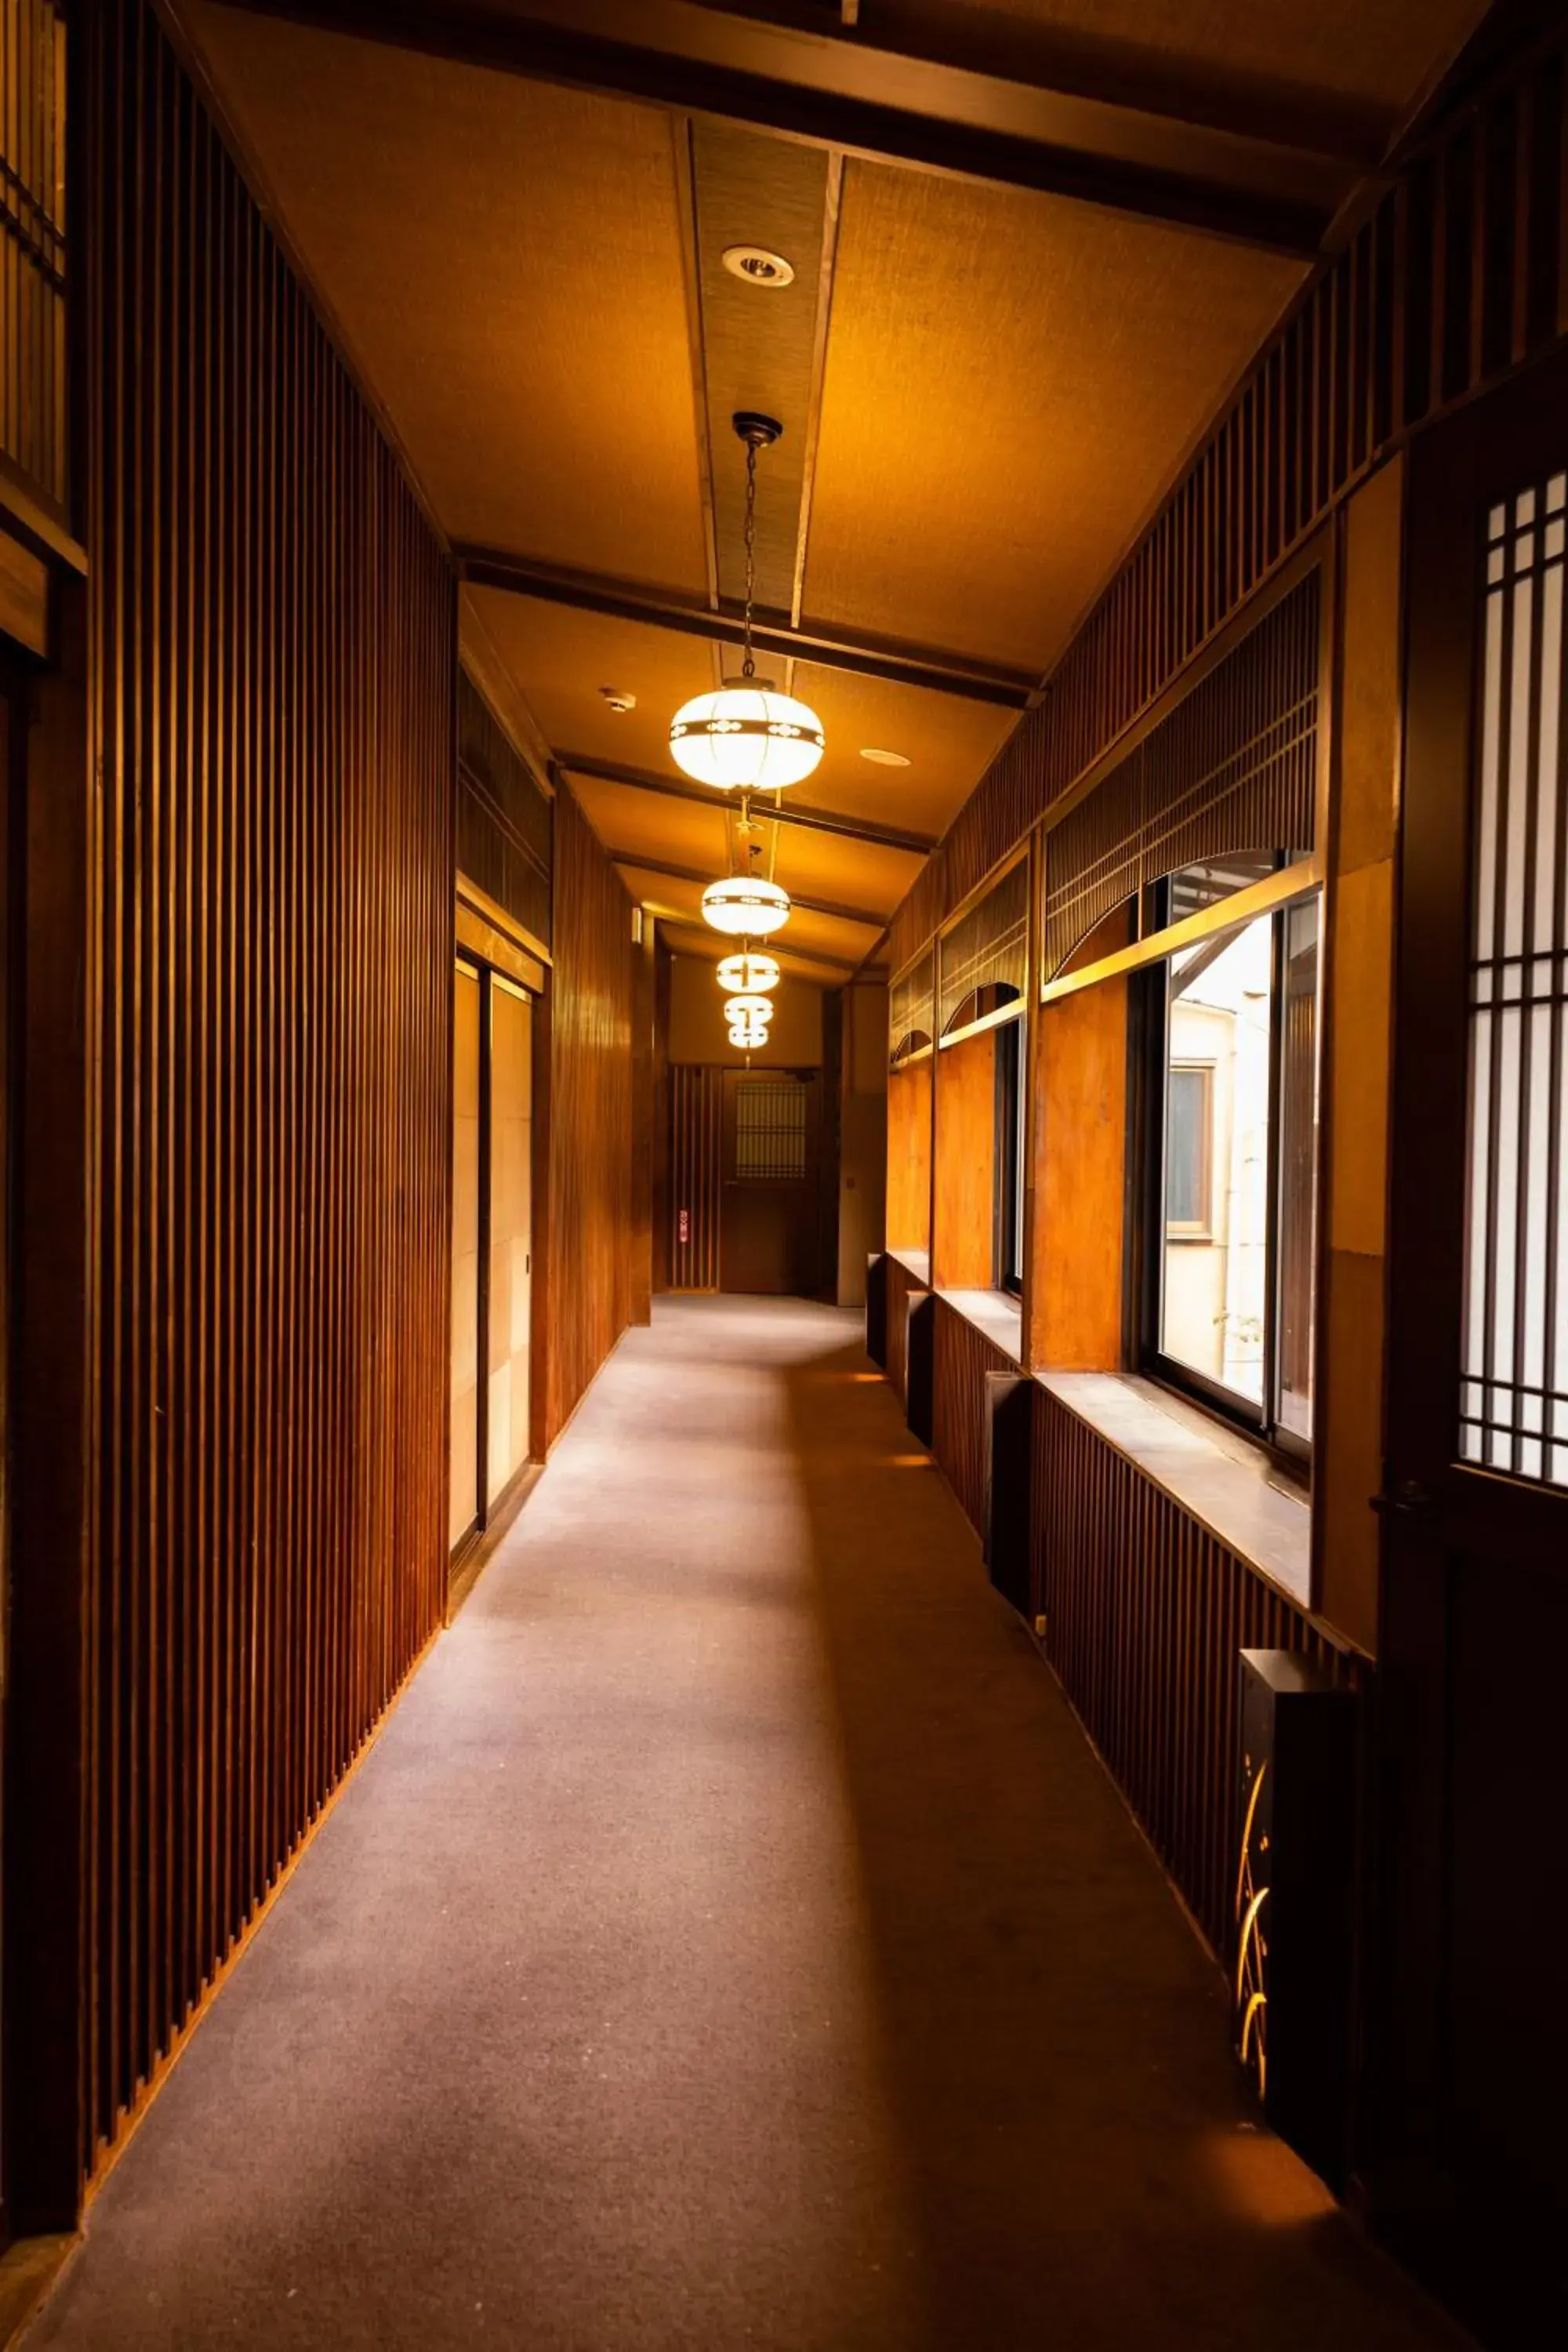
(1074,1291)
(272,632)
(909,1156)
(964,1209)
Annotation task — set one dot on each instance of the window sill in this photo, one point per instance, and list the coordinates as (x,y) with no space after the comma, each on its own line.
(1223,1481)
(996,1314)
(914,1261)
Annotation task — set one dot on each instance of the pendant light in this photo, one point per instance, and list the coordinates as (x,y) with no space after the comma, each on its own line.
(749,972)
(746,733)
(745,906)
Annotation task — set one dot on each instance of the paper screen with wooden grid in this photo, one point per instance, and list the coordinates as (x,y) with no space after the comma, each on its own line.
(1513,1397)
(33,434)
(503,819)
(1232,768)
(770,1131)
(912,1010)
(987,948)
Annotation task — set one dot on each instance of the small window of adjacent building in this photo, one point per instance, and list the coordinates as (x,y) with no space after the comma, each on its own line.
(1010,1219)
(1233,1171)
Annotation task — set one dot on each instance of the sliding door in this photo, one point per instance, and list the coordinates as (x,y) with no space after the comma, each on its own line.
(492,1240)
(510,1236)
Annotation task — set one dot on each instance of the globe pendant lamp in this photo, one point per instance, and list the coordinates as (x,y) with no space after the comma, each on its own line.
(745,906)
(746,734)
(754,974)
(750,1012)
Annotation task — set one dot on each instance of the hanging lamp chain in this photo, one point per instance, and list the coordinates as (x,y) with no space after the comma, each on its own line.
(748,665)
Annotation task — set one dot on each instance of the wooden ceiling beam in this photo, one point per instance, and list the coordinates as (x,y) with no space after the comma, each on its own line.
(836,88)
(867,656)
(868,916)
(705,943)
(787,811)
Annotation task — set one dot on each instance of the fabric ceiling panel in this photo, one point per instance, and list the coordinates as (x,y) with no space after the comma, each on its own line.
(561,658)
(1012,380)
(949,743)
(855,873)
(758,339)
(505,260)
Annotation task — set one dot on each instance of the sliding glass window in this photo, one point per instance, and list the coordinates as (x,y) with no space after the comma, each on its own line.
(1232,1167)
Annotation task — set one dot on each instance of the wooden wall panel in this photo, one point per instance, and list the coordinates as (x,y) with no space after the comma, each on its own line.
(34,438)
(901,1286)
(1457,277)
(590,1153)
(909,1156)
(503,819)
(963,1243)
(1075,1290)
(696,1136)
(1146,1611)
(272,645)
(963,1357)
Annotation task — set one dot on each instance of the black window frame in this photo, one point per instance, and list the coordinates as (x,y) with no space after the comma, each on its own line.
(1007,1218)
(1152,1003)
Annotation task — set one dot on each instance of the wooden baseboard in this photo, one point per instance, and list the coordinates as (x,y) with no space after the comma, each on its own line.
(27,2272)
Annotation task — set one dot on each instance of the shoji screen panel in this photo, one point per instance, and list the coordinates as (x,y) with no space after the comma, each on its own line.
(272,651)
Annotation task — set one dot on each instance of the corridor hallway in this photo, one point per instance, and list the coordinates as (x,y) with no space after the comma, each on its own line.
(731,1940)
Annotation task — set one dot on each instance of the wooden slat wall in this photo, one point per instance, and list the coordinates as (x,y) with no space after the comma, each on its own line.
(901,1286)
(503,818)
(962,1357)
(696,1129)
(1145,1613)
(33,261)
(272,650)
(590,1217)
(1457,278)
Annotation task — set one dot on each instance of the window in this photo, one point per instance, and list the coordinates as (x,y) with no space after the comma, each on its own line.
(1009,1216)
(1233,1126)
(770,1131)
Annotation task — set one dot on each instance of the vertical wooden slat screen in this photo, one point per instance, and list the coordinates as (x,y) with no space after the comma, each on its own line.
(902,1285)
(1435,297)
(272,654)
(590,1204)
(34,440)
(1146,1611)
(697,1105)
(1232,767)
(962,1357)
(503,819)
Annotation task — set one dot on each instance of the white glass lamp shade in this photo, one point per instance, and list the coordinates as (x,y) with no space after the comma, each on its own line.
(743,1033)
(745,736)
(752,974)
(755,1011)
(745,906)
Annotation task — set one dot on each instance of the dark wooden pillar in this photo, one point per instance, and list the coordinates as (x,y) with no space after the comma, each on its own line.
(51,1282)
(643,1120)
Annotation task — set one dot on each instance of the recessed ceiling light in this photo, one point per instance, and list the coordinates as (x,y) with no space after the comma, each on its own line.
(883,758)
(757,266)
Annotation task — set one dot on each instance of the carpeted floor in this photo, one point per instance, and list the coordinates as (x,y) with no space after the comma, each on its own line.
(731,1942)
